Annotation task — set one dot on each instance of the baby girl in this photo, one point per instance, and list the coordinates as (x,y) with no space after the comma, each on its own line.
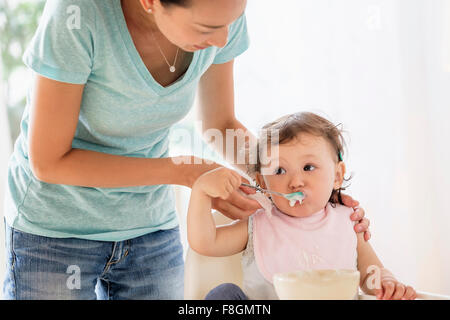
(313,233)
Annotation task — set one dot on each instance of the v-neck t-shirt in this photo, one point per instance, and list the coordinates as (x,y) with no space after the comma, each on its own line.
(124,111)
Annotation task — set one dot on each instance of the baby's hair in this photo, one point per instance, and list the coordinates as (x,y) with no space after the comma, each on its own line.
(290,127)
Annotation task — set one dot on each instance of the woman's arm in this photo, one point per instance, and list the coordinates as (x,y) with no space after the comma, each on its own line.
(203,235)
(216,101)
(53,120)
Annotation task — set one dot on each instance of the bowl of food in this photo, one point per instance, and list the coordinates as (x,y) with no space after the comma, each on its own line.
(340,284)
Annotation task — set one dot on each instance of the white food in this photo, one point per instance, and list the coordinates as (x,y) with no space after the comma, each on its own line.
(296,198)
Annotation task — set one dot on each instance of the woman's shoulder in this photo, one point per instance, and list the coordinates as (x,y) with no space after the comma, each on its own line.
(73,14)
(62,47)
(69,19)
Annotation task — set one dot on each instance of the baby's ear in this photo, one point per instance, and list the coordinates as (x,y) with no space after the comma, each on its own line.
(340,173)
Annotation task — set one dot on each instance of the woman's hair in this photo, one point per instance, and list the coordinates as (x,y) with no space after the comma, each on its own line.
(181,3)
(290,127)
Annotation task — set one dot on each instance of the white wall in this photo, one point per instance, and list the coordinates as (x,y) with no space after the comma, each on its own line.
(380,67)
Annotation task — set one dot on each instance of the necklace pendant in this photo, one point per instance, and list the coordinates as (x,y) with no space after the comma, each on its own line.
(172,69)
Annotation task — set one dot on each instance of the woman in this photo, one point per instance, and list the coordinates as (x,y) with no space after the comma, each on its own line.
(90,212)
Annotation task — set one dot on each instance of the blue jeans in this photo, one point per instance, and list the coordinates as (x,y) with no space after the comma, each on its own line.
(146,267)
(226,291)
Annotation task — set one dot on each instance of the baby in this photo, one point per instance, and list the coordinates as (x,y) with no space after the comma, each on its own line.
(314,233)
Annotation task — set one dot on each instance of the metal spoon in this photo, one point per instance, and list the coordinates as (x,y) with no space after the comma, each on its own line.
(289,196)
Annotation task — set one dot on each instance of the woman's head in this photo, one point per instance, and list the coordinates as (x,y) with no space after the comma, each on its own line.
(308,158)
(194,24)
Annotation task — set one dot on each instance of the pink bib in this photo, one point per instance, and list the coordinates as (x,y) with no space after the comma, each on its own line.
(324,240)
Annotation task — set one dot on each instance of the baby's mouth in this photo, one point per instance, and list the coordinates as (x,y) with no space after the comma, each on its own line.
(299,196)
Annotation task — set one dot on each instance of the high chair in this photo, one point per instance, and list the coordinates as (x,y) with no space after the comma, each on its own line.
(205,273)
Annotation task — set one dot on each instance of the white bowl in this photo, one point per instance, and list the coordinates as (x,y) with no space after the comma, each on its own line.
(339,284)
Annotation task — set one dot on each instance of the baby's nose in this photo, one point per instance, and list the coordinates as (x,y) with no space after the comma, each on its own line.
(296,183)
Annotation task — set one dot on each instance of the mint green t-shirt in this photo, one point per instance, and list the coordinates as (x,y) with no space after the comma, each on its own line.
(124,111)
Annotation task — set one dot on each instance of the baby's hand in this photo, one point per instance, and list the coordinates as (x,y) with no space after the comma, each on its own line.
(391,289)
(218,183)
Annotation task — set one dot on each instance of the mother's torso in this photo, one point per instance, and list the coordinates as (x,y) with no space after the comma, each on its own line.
(124,111)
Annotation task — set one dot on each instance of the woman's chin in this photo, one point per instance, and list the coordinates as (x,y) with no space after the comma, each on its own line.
(190,48)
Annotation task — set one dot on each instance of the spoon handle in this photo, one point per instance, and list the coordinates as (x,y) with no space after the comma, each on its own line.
(262,190)
(254,187)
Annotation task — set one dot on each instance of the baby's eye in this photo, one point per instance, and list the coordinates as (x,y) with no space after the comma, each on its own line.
(280,171)
(309,167)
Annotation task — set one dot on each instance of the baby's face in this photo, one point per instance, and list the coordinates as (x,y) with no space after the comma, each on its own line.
(307,164)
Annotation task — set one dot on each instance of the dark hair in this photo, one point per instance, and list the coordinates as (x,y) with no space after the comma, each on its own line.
(290,126)
(181,3)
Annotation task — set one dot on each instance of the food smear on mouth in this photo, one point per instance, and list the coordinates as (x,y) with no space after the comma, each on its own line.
(294,197)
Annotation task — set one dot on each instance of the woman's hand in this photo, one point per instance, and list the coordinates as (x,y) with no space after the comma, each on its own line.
(358,215)
(219,183)
(222,185)
(237,206)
